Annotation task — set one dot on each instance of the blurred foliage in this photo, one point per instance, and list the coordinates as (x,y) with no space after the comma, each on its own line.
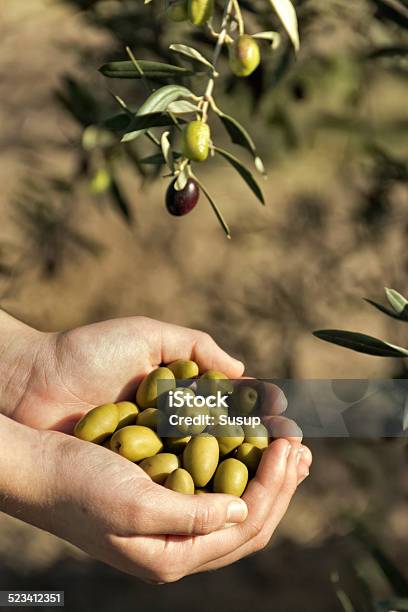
(324,91)
(369,564)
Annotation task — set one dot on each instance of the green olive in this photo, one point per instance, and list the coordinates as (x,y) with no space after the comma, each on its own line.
(157,382)
(213,381)
(170,404)
(217,412)
(256,435)
(229,437)
(201,492)
(160,466)
(149,418)
(201,414)
(244,56)
(176,445)
(200,458)
(196,140)
(250,455)
(178,10)
(97,424)
(180,481)
(184,369)
(200,11)
(244,400)
(128,412)
(231,477)
(136,442)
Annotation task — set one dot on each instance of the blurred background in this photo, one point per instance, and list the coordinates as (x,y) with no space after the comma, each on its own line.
(85,236)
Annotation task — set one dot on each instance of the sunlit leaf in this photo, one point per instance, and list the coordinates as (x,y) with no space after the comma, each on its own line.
(191,53)
(397,301)
(361,343)
(182,107)
(243,171)
(287,15)
(274,38)
(166,150)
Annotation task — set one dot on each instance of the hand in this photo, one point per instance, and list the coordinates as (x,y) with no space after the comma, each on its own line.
(108,507)
(68,373)
(73,371)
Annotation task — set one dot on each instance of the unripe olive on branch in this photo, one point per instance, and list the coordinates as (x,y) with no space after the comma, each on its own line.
(196,140)
(244,56)
(182,202)
(200,11)
(177,10)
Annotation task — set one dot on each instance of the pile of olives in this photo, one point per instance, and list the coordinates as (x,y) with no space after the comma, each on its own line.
(213,454)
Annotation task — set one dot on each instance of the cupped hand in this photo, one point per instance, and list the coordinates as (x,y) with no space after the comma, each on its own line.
(74,371)
(109,507)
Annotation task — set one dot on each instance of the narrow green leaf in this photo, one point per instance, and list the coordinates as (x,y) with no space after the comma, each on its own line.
(143,122)
(243,171)
(166,150)
(161,98)
(287,15)
(157,159)
(361,343)
(151,70)
(397,301)
(274,38)
(182,179)
(120,201)
(214,206)
(240,136)
(182,107)
(384,310)
(191,53)
(117,123)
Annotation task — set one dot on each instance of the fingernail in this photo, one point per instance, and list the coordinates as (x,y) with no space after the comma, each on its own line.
(237,512)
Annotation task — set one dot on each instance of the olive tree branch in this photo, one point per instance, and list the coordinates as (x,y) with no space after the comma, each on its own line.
(217,52)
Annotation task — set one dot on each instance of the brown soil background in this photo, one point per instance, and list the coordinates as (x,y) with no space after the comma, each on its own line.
(260,295)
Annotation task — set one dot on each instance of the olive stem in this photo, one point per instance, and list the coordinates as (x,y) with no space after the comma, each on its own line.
(238,17)
(217,52)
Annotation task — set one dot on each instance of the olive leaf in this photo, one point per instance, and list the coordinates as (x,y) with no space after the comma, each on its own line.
(382,309)
(166,150)
(117,123)
(141,123)
(182,107)
(240,136)
(243,171)
(150,70)
(191,53)
(214,206)
(287,14)
(157,159)
(274,37)
(182,179)
(397,301)
(119,200)
(157,102)
(361,343)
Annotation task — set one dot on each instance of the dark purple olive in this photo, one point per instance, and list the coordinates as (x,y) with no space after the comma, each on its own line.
(182,202)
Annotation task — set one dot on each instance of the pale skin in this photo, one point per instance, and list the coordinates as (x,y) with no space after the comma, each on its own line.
(101,502)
